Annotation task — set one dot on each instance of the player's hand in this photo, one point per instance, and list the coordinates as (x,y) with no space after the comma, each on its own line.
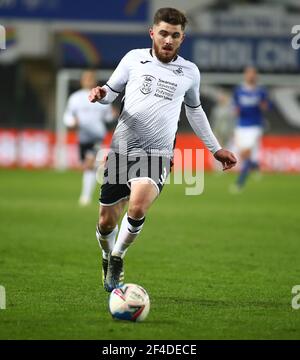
(96,94)
(226,157)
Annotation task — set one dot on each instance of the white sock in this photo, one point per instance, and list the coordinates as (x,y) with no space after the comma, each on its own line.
(88,184)
(106,242)
(130,228)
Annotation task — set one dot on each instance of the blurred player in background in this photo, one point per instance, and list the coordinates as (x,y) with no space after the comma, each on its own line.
(223,119)
(156,82)
(250,101)
(90,122)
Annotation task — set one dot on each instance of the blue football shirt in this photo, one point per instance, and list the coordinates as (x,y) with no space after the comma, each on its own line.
(248,101)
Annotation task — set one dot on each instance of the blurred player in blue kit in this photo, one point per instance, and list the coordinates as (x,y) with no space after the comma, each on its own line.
(250,101)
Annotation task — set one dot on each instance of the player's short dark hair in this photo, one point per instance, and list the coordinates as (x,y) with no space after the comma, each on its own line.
(171,16)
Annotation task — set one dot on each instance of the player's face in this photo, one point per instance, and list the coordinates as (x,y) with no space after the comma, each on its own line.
(250,75)
(88,80)
(167,39)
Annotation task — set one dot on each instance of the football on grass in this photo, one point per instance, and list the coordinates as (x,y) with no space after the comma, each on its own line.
(129,302)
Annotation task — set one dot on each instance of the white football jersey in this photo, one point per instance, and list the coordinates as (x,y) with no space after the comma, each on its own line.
(154,92)
(91,118)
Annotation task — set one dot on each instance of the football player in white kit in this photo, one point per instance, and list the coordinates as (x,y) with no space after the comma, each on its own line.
(90,122)
(156,82)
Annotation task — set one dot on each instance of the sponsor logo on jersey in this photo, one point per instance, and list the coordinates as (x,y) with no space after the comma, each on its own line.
(147,84)
(178,71)
(145,62)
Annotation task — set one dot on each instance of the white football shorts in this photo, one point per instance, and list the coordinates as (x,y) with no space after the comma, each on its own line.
(248,138)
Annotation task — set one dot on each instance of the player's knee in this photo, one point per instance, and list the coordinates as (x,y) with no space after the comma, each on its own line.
(137,210)
(89,161)
(106,223)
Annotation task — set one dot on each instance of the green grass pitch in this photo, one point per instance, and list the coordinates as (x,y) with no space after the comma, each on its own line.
(216,266)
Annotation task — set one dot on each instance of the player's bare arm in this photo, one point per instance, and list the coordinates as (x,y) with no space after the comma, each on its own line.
(97,93)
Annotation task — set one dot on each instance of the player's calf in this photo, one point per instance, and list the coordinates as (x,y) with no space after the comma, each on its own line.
(130,228)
